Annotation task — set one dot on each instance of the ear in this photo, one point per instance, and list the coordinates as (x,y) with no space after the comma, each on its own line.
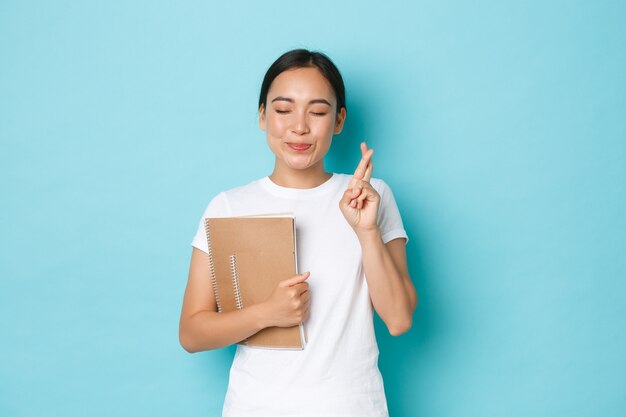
(262,116)
(340,118)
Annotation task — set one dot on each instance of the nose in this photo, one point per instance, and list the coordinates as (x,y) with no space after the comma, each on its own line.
(300,125)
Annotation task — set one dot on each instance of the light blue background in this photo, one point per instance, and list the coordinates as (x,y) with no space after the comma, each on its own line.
(500,126)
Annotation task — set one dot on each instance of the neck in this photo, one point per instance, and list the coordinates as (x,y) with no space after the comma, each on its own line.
(300,178)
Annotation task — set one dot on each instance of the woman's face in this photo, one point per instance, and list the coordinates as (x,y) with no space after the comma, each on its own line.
(301,118)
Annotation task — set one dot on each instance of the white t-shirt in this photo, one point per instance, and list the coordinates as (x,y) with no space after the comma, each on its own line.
(337,373)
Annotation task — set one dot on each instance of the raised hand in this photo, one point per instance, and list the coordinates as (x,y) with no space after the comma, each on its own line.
(360,201)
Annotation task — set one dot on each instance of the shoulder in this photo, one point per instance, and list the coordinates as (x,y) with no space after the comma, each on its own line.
(244,189)
(220,203)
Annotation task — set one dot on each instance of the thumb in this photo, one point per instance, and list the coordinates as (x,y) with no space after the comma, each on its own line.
(348,196)
(294,280)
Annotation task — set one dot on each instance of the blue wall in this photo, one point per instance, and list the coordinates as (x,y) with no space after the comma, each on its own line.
(500,127)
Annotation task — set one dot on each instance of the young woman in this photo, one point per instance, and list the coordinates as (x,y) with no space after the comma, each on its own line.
(351,243)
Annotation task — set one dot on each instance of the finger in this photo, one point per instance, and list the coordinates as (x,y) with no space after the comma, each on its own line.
(300,288)
(361,200)
(360,169)
(357,191)
(368,171)
(367,191)
(365,159)
(353,191)
(357,188)
(347,198)
(294,280)
(366,188)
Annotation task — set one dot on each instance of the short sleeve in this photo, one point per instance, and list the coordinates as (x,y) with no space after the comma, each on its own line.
(217,207)
(389,219)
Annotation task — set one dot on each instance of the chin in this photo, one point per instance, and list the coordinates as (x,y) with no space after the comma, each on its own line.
(298,161)
(299,166)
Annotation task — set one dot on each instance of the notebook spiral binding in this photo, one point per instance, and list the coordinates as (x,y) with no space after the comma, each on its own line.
(212,267)
(236,288)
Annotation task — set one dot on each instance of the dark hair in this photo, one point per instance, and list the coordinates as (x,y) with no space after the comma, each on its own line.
(303,58)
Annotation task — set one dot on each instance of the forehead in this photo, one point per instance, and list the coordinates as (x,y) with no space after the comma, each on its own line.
(301,83)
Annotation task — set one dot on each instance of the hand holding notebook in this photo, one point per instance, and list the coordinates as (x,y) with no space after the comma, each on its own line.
(248,257)
(289,303)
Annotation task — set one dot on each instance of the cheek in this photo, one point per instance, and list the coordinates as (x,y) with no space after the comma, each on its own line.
(277,125)
(323,126)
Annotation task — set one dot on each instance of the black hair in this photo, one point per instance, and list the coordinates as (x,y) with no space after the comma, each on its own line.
(303,58)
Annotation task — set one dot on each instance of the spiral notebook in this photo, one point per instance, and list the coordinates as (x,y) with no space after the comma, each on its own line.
(248,256)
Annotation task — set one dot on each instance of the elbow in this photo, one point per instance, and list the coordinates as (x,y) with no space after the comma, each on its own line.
(186,345)
(398,329)
(189,348)
(193,344)
(186,342)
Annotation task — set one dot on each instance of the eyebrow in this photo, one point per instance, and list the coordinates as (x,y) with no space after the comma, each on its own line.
(290,100)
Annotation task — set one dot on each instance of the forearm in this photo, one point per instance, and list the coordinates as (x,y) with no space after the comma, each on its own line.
(208,330)
(386,284)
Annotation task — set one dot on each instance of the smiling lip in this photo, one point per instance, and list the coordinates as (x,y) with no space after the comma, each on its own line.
(299,146)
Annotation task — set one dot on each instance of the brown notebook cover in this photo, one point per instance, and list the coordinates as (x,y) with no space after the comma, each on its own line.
(248,256)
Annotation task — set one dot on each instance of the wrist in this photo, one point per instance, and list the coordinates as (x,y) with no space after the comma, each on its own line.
(258,313)
(368,234)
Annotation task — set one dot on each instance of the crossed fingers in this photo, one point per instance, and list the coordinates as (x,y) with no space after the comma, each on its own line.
(361,177)
(364,169)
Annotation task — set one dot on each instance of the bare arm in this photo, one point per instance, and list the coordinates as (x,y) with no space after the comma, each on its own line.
(391,290)
(203,328)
